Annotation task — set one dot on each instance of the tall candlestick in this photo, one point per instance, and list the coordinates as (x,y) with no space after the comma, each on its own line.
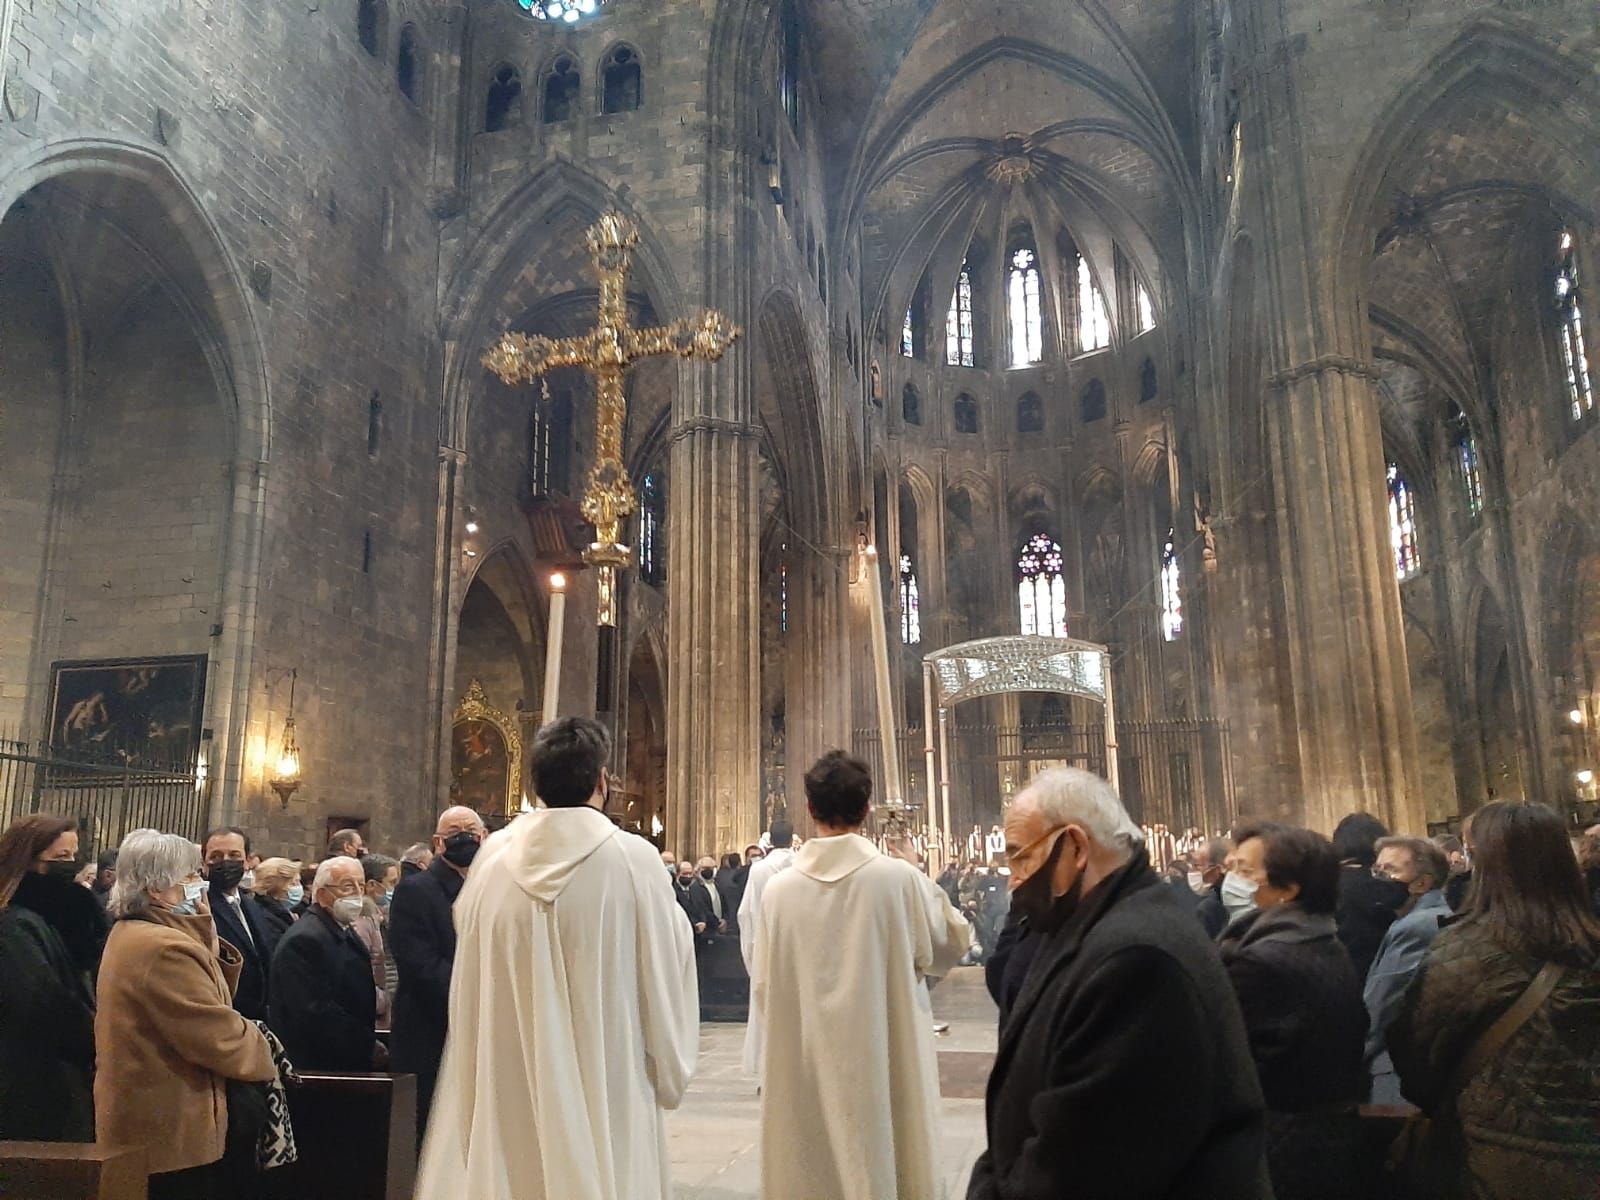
(552,647)
(944,765)
(880,663)
(927,758)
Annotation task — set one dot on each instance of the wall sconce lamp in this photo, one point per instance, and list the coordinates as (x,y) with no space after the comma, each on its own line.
(1575,716)
(286,774)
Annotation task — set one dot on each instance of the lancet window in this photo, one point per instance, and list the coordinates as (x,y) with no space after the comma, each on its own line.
(1094,320)
(1024,308)
(958,347)
(910,604)
(1574,346)
(652,530)
(1171,589)
(1041,588)
(1403,526)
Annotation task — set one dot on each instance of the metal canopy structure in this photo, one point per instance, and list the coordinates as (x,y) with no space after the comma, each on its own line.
(1001,666)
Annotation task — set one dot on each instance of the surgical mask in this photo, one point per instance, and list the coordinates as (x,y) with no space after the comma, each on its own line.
(346,909)
(1238,894)
(384,900)
(1197,883)
(461,848)
(248,881)
(294,895)
(189,906)
(225,874)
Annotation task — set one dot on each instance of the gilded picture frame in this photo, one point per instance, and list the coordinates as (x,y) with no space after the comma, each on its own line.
(485,757)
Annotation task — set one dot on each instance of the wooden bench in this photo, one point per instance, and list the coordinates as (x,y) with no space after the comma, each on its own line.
(72,1171)
(356,1135)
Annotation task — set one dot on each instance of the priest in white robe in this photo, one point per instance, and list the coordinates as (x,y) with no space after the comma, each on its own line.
(850,1079)
(574,1009)
(762,872)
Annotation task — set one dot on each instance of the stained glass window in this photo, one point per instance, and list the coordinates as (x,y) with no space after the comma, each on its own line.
(958,348)
(652,526)
(1094,321)
(1041,589)
(1465,445)
(910,604)
(1171,589)
(1574,347)
(560,10)
(1024,309)
(1403,526)
(1144,311)
(908,336)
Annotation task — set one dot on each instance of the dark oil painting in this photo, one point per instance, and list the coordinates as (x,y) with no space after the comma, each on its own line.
(140,711)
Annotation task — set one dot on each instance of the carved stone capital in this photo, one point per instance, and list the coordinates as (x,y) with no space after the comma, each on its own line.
(696,425)
(1340,364)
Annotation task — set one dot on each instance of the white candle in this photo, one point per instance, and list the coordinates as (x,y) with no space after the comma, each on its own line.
(552,646)
(880,655)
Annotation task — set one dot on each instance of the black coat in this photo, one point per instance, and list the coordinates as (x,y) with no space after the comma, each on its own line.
(1213,914)
(250,997)
(46,1034)
(322,1000)
(1302,1008)
(1006,968)
(422,939)
(1367,907)
(1124,1072)
(694,901)
(276,914)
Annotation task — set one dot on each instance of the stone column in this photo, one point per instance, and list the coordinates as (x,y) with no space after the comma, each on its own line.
(1352,688)
(714,705)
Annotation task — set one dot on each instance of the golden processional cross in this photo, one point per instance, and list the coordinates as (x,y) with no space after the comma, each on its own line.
(606,352)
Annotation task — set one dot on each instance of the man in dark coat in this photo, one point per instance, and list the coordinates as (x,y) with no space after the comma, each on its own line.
(239,919)
(1123,1071)
(422,938)
(694,901)
(321,997)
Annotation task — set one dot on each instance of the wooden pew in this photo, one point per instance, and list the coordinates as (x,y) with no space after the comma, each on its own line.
(356,1135)
(72,1171)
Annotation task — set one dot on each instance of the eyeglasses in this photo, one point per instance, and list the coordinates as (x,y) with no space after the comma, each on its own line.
(1013,857)
(349,887)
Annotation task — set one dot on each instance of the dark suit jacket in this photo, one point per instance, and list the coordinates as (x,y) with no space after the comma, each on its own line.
(1126,1011)
(250,997)
(323,1003)
(697,904)
(422,938)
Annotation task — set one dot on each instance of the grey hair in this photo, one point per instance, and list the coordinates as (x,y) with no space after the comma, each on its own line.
(1070,796)
(149,860)
(325,868)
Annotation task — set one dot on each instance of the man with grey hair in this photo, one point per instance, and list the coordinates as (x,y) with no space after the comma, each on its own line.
(574,1012)
(1126,1023)
(1424,869)
(322,1000)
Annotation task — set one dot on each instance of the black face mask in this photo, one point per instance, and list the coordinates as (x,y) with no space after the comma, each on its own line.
(1390,893)
(707,873)
(1032,897)
(225,874)
(460,849)
(63,869)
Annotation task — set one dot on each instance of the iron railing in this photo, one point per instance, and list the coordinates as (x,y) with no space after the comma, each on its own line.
(1173,773)
(108,798)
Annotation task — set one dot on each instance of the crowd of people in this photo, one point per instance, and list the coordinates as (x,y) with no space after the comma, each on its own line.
(1210,1025)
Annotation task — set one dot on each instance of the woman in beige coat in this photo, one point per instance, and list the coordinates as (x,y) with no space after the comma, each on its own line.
(166,1036)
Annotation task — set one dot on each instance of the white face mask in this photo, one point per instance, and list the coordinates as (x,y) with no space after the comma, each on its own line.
(1238,893)
(189,906)
(1197,883)
(346,909)
(247,881)
(294,895)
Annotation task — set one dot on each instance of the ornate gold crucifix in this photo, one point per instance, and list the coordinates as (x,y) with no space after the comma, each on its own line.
(606,352)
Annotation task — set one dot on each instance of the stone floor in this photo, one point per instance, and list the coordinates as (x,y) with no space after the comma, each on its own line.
(715,1132)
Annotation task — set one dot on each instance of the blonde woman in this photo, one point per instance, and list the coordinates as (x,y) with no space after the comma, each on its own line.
(278,892)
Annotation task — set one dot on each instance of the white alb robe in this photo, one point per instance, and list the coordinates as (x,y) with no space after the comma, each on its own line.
(850,1079)
(574,1019)
(762,872)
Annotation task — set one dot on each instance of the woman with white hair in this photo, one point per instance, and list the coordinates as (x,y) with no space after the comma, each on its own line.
(166,1035)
